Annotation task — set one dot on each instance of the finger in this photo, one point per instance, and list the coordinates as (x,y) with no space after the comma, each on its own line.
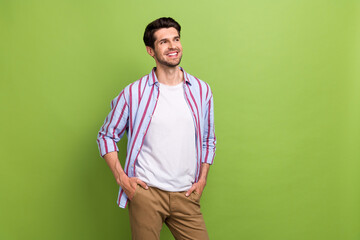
(142,184)
(190,191)
(130,194)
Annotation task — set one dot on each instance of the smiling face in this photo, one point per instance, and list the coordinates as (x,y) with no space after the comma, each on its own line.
(167,47)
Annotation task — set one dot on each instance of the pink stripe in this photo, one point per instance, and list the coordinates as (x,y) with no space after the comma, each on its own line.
(213,142)
(107,128)
(197,127)
(139,91)
(145,132)
(196,119)
(99,146)
(147,80)
(113,111)
(187,77)
(117,123)
(138,129)
(121,192)
(122,131)
(105,143)
(130,108)
(124,128)
(207,90)
(200,90)
(212,160)
(207,141)
(102,128)
(101,134)
(197,110)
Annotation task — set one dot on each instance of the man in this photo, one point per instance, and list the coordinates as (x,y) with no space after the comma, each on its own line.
(168,117)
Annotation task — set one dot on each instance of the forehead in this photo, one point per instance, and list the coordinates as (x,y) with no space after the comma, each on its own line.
(163,33)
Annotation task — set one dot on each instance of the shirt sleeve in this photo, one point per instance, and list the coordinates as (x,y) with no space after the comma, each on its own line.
(209,138)
(114,125)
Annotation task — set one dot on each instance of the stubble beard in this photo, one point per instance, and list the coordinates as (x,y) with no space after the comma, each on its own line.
(167,63)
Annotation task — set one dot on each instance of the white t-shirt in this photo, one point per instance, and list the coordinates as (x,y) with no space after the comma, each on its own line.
(167,159)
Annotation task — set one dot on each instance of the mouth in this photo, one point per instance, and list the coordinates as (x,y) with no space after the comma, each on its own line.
(172,54)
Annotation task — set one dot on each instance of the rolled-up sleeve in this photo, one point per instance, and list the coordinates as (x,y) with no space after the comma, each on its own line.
(114,125)
(209,138)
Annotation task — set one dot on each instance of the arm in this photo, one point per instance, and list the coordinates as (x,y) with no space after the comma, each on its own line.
(128,184)
(208,148)
(110,133)
(115,125)
(209,138)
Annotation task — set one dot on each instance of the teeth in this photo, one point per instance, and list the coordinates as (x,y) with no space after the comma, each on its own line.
(172,54)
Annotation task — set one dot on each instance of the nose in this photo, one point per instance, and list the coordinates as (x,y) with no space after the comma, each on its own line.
(171,45)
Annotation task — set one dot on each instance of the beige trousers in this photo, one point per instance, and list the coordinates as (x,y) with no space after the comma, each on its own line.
(149,209)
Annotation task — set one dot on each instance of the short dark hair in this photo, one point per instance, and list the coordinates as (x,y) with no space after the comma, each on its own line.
(151,28)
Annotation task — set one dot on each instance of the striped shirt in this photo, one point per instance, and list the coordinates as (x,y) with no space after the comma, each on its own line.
(132,110)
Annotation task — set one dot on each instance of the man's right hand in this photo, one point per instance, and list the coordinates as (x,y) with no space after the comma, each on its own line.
(128,184)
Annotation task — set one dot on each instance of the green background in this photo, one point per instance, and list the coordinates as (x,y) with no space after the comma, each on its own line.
(285,77)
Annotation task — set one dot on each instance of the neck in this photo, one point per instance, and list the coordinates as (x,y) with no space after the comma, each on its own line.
(169,75)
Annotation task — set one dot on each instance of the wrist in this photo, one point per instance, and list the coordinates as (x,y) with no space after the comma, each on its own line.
(202,181)
(122,175)
(120,178)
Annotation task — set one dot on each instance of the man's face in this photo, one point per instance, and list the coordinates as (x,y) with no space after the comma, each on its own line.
(167,47)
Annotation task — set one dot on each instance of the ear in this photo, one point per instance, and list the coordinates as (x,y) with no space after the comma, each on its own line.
(150,51)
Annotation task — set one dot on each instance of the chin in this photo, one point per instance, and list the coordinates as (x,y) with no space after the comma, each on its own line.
(170,64)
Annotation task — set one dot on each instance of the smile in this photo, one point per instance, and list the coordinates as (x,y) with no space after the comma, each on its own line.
(172,54)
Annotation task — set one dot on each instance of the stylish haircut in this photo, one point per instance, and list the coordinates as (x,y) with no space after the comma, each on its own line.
(151,28)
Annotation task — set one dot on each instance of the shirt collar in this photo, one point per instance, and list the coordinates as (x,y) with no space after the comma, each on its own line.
(153,79)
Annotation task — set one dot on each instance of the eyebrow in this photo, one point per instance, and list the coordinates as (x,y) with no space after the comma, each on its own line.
(177,36)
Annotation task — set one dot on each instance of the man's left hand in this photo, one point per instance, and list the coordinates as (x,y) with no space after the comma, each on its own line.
(197,187)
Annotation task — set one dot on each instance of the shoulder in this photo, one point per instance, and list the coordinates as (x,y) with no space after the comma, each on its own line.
(135,87)
(199,84)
